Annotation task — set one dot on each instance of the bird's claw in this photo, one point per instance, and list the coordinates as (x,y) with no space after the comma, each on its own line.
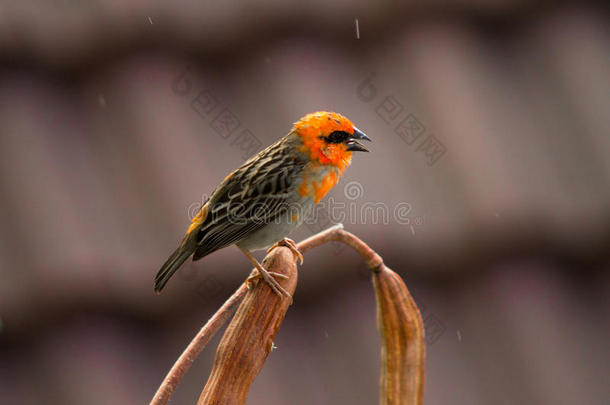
(257,275)
(289,243)
(268,276)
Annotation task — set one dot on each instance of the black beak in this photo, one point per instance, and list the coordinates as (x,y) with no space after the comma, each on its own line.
(355,146)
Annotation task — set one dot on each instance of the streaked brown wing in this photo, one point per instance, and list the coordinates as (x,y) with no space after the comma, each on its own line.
(254,195)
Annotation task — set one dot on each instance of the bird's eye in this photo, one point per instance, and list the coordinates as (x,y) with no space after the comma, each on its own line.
(337,137)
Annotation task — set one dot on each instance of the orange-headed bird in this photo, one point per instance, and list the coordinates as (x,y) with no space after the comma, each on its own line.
(270,195)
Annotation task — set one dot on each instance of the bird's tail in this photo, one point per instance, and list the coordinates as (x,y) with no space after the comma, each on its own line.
(173,263)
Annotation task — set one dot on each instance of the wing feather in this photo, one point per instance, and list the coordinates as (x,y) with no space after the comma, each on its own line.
(254,195)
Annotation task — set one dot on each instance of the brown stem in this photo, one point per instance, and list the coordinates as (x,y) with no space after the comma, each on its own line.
(248,339)
(338,234)
(403,348)
(399,322)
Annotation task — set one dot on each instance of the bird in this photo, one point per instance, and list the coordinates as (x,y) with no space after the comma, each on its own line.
(271,194)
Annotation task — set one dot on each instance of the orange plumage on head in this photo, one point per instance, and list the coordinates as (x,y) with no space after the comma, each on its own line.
(312,127)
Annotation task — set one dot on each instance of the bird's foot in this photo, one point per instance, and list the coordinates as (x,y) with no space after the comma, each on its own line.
(260,271)
(268,276)
(289,243)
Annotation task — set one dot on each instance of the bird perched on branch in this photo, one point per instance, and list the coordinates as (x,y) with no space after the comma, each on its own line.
(270,195)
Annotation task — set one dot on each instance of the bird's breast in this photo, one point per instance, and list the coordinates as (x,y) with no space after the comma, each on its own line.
(317,180)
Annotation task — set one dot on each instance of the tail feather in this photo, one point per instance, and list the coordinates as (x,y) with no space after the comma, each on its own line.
(186,249)
(172,264)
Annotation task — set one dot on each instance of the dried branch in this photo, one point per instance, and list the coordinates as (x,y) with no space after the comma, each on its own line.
(248,339)
(403,349)
(338,234)
(259,317)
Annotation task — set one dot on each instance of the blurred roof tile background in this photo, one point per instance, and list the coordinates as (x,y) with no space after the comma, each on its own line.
(107,150)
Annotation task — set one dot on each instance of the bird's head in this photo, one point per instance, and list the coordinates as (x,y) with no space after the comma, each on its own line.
(329,138)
